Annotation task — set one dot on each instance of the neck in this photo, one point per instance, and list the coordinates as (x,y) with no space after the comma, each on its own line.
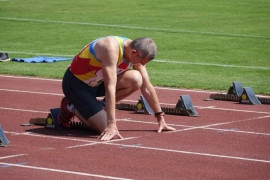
(127,50)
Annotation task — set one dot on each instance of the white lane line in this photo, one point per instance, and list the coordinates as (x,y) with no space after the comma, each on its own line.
(12,156)
(30,78)
(218,124)
(203,127)
(36,53)
(168,61)
(129,120)
(23,110)
(48,136)
(192,153)
(162,88)
(128,100)
(145,147)
(132,27)
(100,142)
(62,171)
(31,92)
(211,64)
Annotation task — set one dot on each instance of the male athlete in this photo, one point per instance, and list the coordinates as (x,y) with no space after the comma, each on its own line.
(102,68)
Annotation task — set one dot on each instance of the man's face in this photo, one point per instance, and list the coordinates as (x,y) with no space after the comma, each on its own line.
(138,58)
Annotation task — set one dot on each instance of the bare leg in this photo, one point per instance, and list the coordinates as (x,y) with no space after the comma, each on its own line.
(127,82)
(97,122)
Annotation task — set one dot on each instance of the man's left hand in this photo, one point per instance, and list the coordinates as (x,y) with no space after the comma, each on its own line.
(163,126)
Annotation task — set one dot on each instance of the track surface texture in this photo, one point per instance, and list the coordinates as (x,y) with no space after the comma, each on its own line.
(227,141)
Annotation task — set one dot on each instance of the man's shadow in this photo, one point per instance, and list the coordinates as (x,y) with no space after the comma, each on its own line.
(76,130)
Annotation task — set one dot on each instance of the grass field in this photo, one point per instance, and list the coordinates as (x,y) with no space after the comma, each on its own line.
(202,44)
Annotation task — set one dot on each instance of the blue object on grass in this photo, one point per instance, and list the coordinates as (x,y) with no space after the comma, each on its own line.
(41,59)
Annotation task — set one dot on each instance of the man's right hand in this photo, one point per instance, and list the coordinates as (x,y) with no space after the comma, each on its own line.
(110,132)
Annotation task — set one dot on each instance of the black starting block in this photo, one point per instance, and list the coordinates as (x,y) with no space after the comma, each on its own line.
(3,139)
(51,121)
(142,107)
(248,97)
(239,94)
(236,89)
(185,104)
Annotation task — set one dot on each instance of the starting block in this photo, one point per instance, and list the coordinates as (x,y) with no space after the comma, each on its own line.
(51,121)
(236,89)
(239,94)
(183,107)
(142,107)
(185,104)
(3,139)
(248,97)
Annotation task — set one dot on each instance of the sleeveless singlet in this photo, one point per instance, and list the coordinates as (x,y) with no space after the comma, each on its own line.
(87,68)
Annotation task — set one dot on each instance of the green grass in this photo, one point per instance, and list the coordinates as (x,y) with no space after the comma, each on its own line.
(194,35)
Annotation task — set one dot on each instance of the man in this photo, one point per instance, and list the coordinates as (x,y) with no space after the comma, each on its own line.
(102,68)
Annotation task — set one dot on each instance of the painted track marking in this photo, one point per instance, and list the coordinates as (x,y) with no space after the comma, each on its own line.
(61,171)
(12,156)
(133,101)
(133,27)
(192,153)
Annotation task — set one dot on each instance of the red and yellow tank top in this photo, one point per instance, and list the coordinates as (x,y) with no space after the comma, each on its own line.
(87,67)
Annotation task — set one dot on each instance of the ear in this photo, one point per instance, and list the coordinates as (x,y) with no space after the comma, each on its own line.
(134,51)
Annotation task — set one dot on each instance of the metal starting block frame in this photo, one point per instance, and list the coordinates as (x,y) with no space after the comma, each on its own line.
(183,107)
(4,142)
(247,95)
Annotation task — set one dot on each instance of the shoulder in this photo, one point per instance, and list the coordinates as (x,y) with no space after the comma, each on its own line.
(105,47)
(106,42)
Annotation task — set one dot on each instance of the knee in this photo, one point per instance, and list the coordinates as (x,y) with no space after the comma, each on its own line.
(136,81)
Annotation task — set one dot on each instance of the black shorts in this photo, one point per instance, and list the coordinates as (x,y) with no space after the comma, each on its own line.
(82,96)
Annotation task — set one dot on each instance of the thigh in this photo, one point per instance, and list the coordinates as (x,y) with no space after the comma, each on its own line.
(129,79)
(82,96)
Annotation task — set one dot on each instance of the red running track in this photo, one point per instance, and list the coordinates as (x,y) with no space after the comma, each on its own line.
(228,141)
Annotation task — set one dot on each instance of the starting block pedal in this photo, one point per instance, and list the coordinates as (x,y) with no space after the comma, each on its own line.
(51,121)
(142,107)
(248,97)
(185,104)
(3,139)
(236,89)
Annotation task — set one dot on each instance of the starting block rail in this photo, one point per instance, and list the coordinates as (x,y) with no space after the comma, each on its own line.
(166,110)
(183,107)
(239,94)
(43,122)
(230,97)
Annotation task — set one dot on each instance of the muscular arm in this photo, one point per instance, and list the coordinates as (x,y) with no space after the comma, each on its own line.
(147,89)
(150,95)
(107,51)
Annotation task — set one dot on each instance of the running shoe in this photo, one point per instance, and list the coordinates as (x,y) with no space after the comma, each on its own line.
(64,116)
